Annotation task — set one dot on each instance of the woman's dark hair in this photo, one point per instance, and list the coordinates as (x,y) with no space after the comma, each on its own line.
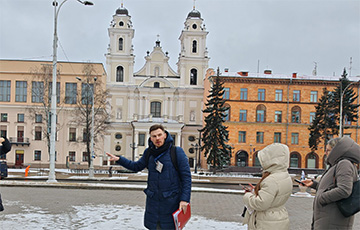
(155,127)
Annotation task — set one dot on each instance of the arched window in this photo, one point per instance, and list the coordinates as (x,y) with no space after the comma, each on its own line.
(311,160)
(121,43)
(295,160)
(121,23)
(156,84)
(193,77)
(119,74)
(155,108)
(296,114)
(227,112)
(256,160)
(260,113)
(194,46)
(242,159)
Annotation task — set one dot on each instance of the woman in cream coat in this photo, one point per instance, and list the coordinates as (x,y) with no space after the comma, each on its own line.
(266,204)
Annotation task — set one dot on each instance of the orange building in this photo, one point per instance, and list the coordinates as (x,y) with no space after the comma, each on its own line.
(265,108)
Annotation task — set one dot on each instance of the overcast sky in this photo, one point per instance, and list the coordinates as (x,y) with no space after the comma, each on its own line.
(282,35)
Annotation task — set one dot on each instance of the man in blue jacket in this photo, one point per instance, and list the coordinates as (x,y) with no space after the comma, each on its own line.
(5,147)
(168,186)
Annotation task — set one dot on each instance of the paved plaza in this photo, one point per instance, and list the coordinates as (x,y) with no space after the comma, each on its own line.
(209,207)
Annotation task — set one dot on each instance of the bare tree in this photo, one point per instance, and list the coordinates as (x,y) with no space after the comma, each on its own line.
(39,111)
(83,111)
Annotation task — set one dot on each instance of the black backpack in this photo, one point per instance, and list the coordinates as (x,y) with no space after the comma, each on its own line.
(172,155)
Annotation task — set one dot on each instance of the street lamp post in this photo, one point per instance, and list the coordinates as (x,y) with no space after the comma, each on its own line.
(92,155)
(52,177)
(341,106)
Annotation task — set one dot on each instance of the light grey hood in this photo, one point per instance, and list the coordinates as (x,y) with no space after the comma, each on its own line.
(346,148)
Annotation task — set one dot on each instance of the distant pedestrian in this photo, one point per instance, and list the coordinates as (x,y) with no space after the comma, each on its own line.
(266,202)
(110,171)
(5,147)
(169,179)
(342,154)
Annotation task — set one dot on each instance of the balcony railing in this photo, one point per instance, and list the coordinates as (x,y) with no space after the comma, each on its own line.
(164,118)
(19,141)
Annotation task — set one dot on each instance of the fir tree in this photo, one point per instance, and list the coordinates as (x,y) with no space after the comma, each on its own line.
(324,122)
(215,134)
(350,108)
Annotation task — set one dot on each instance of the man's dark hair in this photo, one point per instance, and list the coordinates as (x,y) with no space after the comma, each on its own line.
(155,127)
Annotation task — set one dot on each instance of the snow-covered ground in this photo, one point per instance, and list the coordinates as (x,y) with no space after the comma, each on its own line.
(96,217)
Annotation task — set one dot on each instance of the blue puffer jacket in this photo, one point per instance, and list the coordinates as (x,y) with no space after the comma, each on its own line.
(164,190)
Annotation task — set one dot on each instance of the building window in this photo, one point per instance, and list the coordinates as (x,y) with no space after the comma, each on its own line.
(119,74)
(86,135)
(295,114)
(37,92)
(311,160)
(141,139)
(261,94)
(72,134)
(85,157)
(38,133)
(296,95)
(243,94)
(194,46)
(294,160)
(21,91)
(193,77)
(121,43)
(313,96)
(20,133)
(277,137)
(4,117)
(118,136)
(155,108)
(243,115)
(20,118)
(86,93)
(38,118)
(278,116)
(260,113)
(5,87)
(242,136)
(156,84)
(260,137)
(312,116)
(72,156)
(347,121)
(278,95)
(227,112)
(226,94)
(295,138)
(3,131)
(37,155)
(57,92)
(70,93)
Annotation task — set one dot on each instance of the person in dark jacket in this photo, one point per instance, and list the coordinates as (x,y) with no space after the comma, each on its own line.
(168,188)
(5,147)
(342,154)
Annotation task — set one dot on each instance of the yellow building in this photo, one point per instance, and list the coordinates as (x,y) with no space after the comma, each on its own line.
(267,108)
(23,86)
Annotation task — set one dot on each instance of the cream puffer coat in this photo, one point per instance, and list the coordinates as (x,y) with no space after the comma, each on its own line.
(268,208)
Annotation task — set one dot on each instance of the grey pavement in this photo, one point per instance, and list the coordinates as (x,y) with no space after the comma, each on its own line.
(213,205)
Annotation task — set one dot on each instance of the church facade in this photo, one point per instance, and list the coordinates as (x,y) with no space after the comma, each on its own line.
(156,93)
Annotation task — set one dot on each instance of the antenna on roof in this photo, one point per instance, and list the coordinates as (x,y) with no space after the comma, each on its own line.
(350,67)
(314,73)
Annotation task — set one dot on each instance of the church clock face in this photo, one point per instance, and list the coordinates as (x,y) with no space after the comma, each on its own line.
(194,26)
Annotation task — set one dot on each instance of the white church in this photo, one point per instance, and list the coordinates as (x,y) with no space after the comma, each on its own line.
(156,93)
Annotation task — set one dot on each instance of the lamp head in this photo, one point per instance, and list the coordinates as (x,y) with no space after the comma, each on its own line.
(95,78)
(88,3)
(78,78)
